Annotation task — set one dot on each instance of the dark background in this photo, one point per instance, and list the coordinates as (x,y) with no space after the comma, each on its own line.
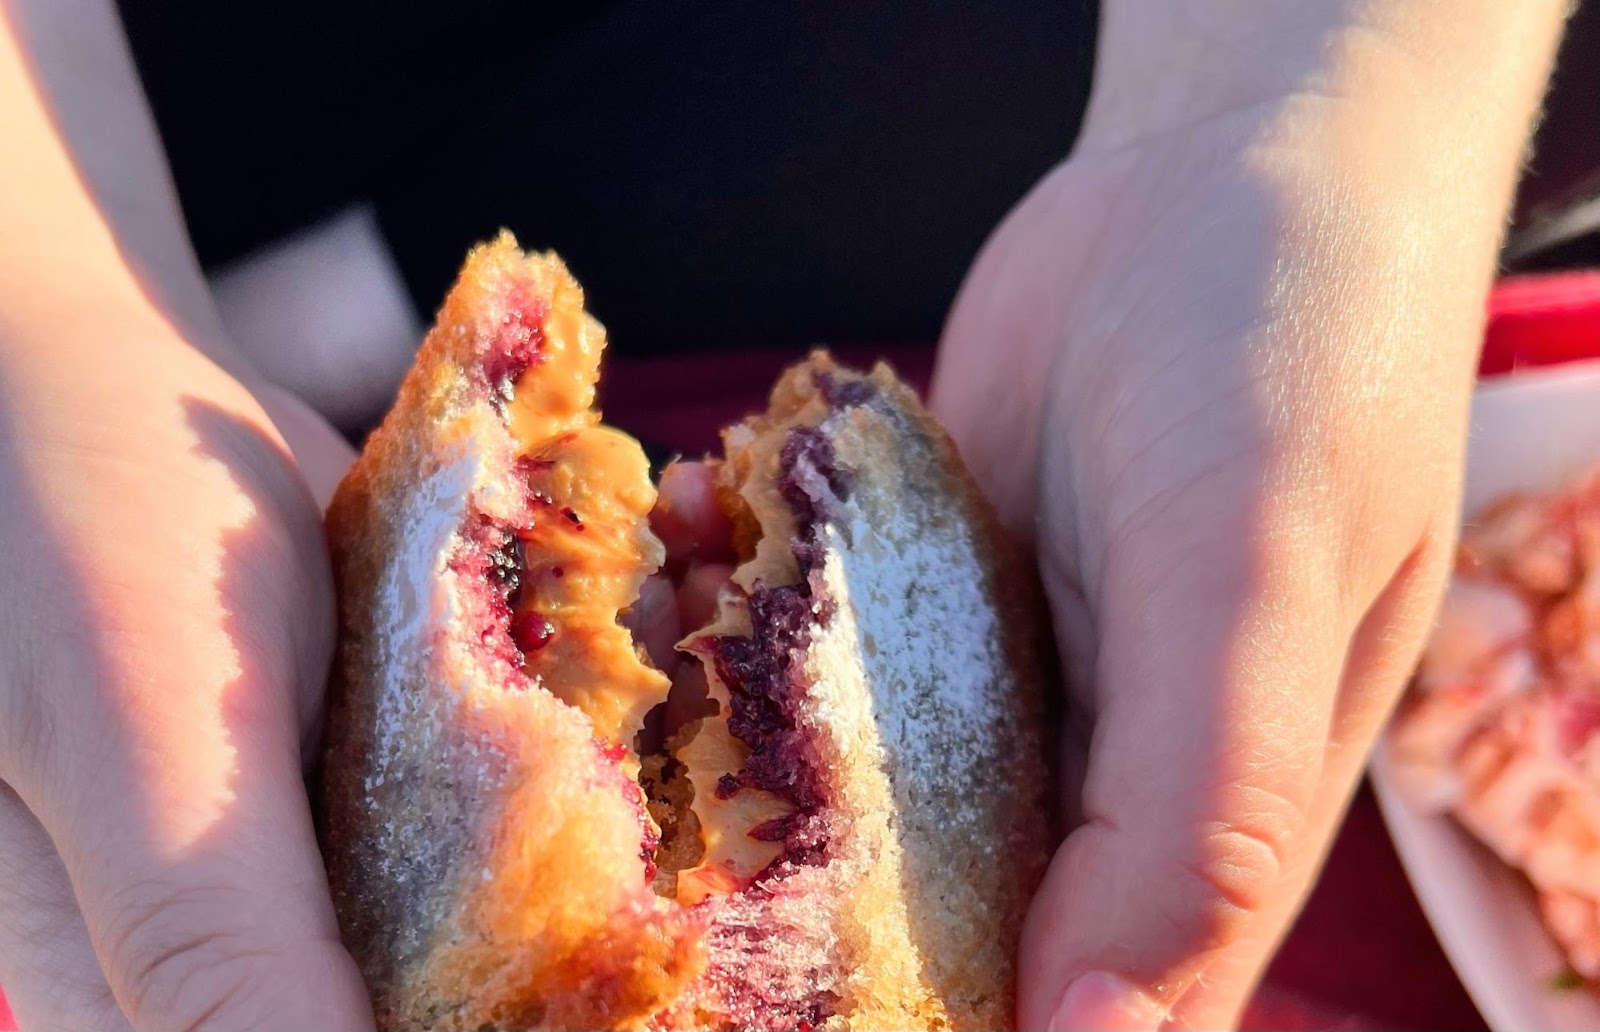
(1565,168)
(720,174)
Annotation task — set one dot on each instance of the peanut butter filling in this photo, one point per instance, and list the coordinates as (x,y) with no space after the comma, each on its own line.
(585,558)
(740,825)
(589,546)
(582,561)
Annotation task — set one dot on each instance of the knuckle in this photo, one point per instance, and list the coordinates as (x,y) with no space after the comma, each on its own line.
(1199,919)
(1231,872)
(176,966)
(1239,867)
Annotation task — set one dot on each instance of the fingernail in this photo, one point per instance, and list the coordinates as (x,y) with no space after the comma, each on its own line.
(1102,1002)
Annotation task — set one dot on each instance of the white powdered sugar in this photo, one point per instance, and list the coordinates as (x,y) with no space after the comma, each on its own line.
(413,602)
(911,676)
(911,606)
(421,750)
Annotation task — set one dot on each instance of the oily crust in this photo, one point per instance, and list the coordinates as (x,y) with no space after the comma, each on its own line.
(484,855)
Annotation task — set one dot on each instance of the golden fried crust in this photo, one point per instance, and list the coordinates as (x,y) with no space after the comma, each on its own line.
(484,854)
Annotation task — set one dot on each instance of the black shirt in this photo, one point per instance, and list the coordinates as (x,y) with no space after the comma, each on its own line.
(719,174)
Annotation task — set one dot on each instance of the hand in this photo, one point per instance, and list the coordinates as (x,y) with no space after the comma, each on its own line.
(1216,368)
(167,607)
(169,624)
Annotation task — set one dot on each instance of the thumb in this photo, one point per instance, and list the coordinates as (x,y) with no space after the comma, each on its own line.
(1218,668)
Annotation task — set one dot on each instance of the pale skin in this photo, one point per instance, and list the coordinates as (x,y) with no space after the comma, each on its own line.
(1234,338)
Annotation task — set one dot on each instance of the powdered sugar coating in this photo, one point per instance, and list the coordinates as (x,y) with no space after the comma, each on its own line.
(938,707)
(917,672)
(412,593)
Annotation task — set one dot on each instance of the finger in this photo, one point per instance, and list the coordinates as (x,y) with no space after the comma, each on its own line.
(205,901)
(204,906)
(697,594)
(1388,646)
(1384,649)
(689,699)
(165,767)
(653,619)
(324,314)
(48,967)
(687,517)
(1219,659)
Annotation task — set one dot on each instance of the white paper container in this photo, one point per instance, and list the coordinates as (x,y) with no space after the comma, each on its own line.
(1532,430)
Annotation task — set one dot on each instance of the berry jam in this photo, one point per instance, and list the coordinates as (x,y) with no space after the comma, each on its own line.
(842,394)
(516,346)
(531,631)
(764,673)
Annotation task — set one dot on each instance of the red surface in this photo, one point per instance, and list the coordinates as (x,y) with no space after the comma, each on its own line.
(1361,955)
(680,404)
(1541,321)
(1362,947)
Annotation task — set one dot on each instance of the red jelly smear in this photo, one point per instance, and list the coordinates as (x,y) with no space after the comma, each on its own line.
(516,345)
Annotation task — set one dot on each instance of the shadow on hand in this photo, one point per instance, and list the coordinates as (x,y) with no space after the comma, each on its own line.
(176,916)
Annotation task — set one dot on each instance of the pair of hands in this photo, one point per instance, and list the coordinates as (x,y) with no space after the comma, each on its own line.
(1240,562)
(1214,369)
